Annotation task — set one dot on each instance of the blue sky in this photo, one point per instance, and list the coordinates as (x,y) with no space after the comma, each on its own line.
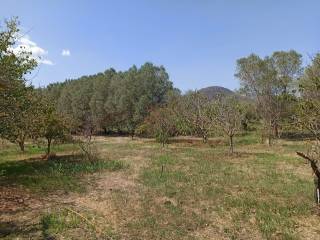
(198,42)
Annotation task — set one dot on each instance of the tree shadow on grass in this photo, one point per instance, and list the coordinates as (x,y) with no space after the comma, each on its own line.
(197,142)
(64,172)
(297,136)
(23,184)
(14,229)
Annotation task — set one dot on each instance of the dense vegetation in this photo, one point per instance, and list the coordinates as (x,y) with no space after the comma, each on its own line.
(111,101)
(277,96)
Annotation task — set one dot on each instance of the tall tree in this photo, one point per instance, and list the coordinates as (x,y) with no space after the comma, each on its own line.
(101,89)
(113,100)
(16,99)
(288,68)
(308,111)
(269,82)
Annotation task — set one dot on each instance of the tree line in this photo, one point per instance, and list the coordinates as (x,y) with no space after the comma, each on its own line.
(111,101)
(277,95)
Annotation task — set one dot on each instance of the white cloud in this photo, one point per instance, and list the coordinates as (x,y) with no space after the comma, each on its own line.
(27,41)
(46,61)
(25,44)
(65,52)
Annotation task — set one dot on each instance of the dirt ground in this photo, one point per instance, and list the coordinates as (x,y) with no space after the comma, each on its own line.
(113,201)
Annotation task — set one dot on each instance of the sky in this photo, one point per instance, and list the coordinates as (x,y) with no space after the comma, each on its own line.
(197,41)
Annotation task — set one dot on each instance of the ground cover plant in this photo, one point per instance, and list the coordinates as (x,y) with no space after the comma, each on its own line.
(181,191)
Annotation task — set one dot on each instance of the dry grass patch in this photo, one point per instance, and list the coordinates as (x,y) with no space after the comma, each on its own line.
(190,191)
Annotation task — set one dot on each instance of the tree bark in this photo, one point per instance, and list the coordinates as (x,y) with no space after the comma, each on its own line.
(316,177)
(270,134)
(231,143)
(49,146)
(21,145)
(276,130)
(269,139)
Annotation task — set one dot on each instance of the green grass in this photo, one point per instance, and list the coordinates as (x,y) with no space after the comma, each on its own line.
(63,173)
(244,187)
(12,152)
(63,223)
(181,191)
(58,222)
(247,139)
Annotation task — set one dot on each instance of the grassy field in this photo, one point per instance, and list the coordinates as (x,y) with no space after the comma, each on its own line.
(140,190)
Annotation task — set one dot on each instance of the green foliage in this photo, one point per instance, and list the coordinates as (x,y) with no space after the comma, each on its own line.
(161,124)
(112,101)
(20,118)
(52,126)
(13,66)
(17,101)
(308,110)
(162,136)
(271,82)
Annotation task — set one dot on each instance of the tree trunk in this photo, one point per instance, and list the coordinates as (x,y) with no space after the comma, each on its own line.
(269,139)
(49,146)
(21,145)
(270,134)
(262,139)
(205,138)
(231,143)
(276,130)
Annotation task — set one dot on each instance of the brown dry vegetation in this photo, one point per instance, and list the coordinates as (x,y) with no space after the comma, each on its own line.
(186,190)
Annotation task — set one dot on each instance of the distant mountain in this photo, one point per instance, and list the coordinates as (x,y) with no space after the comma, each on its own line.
(213,91)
